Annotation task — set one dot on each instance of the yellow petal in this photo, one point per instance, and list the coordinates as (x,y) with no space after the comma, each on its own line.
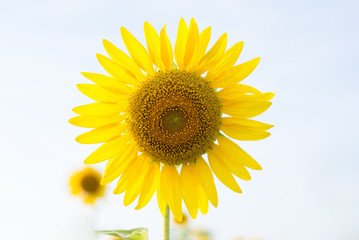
(130,196)
(246,122)
(267,96)
(109,83)
(102,134)
(99,94)
(175,199)
(231,162)
(132,180)
(166,50)
(90,199)
(75,183)
(235,75)
(115,167)
(244,133)
(181,40)
(205,177)
(138,53)
(108,150)
(171,191)
(233,92)
(192,42)
(245,109)
(222,172)
(123,183)
(75,190)
(150,185)
(116,70)
(229,99)
(100,109)
(238,153)
(123,60)
(95,122)
(163,191)
(229,58)
(204,38)
(202,201)
(213,55)
(153,45)
(135,180)
(189,190)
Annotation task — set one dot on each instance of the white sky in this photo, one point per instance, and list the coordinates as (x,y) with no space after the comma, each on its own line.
(309,186)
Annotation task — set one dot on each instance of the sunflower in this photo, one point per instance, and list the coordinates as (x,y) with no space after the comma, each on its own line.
(86,184)
(156,118)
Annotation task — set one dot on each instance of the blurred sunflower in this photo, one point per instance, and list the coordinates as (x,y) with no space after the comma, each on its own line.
(86,184)
(157,122)
(201,234)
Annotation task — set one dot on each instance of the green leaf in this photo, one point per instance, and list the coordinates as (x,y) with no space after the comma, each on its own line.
(132,234)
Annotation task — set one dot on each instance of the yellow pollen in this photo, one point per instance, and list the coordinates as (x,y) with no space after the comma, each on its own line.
(174,116)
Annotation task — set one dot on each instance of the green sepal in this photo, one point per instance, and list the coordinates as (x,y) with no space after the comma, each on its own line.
(220,134)
(132,234)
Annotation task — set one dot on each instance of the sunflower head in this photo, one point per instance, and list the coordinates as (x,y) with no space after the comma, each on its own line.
(174,116)
(166,117)
(86,184)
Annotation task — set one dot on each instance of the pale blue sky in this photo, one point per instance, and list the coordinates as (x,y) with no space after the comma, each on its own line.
(308,188)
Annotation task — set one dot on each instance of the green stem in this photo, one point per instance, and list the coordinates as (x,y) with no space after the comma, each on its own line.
(166,225)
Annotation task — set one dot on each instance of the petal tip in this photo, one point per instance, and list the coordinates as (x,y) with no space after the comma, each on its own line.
(124,31)
(237,189)
(146,26)
(84,73)
(138,207)
(99,56)
(71,121)
(78,139)
(104,182)
(271,95)
(193,21)
(248,178)
(79,86)
(75,109)
(87,162)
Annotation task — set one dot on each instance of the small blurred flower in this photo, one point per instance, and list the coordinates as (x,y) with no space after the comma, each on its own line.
(202,234)
(86,184)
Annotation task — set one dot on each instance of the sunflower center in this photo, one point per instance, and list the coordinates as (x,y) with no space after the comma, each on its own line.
(174,116)
(173,120)
(90,184)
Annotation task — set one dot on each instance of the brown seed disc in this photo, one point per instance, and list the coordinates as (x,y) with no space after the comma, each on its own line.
(174,116)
